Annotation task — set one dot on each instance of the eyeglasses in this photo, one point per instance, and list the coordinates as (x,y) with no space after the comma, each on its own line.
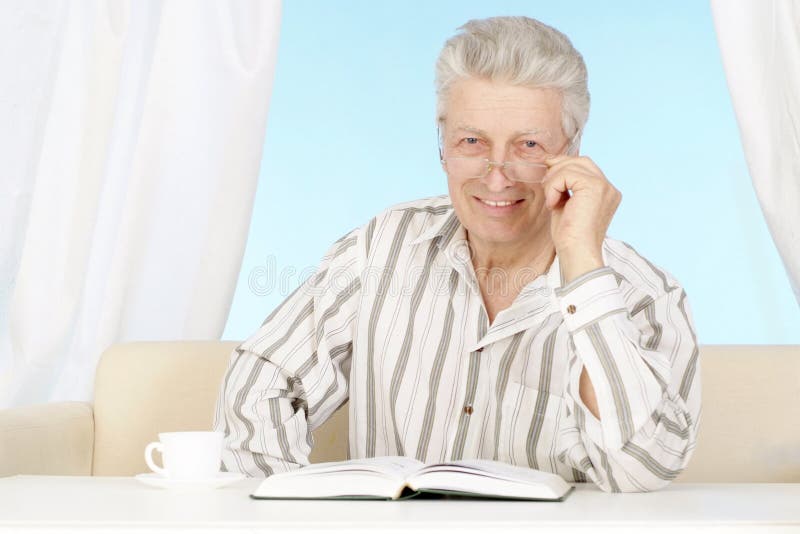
(530,170)
(516,171)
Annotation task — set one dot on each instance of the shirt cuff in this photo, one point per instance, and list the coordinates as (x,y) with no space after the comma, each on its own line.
(589,298)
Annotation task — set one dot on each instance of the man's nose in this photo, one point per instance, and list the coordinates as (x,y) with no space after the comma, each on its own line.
(497,179)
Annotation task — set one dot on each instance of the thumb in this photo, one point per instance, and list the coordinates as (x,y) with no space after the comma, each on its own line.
(556,199)
(552,195)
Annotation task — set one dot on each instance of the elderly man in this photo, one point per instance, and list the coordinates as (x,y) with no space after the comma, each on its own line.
(496,322)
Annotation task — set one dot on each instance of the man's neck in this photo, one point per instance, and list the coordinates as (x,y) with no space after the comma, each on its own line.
(502,271)
(511,257)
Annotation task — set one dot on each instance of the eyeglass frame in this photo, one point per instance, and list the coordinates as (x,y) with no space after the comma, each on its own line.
(501,164)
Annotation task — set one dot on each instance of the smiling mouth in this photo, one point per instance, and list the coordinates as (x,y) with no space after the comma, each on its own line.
(499,204)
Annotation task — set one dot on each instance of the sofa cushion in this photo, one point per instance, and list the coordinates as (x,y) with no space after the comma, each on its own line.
(143,388)
(47,439)
(749,429)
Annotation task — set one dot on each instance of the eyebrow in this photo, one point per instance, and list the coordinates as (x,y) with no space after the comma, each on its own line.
(516,134)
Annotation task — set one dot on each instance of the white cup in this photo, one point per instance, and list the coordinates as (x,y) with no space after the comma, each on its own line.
(186,454)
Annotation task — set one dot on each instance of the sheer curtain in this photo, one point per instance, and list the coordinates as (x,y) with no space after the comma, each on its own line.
(760,45)
(131,142)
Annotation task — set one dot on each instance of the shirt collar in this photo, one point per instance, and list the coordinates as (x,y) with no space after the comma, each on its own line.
(443,225)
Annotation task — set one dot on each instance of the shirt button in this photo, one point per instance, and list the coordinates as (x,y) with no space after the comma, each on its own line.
(468,409)
(571,308)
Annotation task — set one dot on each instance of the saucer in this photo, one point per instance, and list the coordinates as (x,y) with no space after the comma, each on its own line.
(218,481)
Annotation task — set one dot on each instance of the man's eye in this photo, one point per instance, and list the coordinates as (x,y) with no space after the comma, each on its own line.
(471,140)
(531,144)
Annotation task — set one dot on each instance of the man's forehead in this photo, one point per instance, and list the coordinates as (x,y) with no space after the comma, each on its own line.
(486,106)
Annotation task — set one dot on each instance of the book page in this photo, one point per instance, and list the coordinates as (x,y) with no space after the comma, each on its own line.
(382,477)
(394,466)
(488,478)
(499,470)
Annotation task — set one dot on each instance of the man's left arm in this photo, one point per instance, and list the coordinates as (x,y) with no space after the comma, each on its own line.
(633,424)
(638,366)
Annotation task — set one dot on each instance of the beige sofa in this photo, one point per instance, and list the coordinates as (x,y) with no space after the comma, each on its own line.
(749,431)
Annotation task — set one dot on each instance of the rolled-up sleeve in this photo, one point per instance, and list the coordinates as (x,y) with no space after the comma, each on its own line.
(292,373)
(643,361)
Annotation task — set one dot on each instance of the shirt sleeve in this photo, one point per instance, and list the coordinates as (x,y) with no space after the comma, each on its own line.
(643,362)
(292,373)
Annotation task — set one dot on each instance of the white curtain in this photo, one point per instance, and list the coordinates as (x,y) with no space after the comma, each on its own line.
(131,134)
(760,45)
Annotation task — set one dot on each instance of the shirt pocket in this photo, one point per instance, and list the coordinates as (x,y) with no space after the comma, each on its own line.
(528,427)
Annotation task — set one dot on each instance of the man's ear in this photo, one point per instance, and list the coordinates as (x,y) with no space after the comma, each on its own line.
(439,140)
(441,161)
(577,148)
(575,144)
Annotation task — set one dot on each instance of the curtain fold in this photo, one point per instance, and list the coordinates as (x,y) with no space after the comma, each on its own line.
(760,45)
(132,157)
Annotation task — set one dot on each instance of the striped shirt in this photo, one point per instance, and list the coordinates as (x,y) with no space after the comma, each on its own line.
(393,320)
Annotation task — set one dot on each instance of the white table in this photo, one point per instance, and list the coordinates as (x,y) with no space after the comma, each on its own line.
(121,504)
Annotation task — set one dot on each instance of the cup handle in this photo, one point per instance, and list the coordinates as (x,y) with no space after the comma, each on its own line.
(148,457)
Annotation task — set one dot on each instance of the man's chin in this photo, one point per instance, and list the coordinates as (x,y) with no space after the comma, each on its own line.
(494,232)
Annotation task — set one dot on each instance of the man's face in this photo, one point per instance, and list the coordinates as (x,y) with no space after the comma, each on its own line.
(500,122)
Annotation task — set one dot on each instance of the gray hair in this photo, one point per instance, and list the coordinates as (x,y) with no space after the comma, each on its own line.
(520,51)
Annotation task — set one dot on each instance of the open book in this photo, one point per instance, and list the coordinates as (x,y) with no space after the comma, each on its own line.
(398,477)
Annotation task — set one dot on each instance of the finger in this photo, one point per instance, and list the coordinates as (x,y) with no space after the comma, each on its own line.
(561,201)
(556,185)
(573,178)
(560,162)
(554,189)
(553,159)
(588,163)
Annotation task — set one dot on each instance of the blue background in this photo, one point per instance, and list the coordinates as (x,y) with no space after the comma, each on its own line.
(351,131)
